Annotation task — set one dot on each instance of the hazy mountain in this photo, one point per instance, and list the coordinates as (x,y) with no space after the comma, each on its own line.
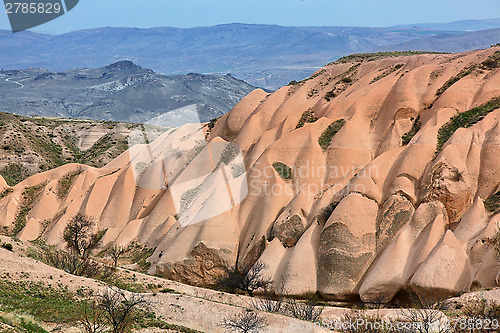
(451,42)
(122,91)
(463,25)
(263,55)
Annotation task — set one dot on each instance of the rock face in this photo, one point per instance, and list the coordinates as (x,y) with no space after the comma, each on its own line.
(375,175)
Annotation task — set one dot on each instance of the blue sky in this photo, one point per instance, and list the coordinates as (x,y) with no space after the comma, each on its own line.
(190,13)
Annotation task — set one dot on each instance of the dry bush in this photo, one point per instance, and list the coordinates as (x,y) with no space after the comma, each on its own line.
(480,310)
(363,323)
(244,279)
(112,310)
(270,301)
(76,265)
(92,318)
(244,322)
(428,313)
(303,310)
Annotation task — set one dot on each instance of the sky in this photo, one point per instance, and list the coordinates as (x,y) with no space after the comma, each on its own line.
(190,13)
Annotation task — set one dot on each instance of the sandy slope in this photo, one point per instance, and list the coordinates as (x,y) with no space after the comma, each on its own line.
(360,215)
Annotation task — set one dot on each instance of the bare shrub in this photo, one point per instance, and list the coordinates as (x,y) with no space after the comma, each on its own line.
(270,301)
(244,279)
(121,310)
(244,322)
(76,265)
(115,252)
(479,310)
(303,310)
(357,321)
(92,318)
(427,315)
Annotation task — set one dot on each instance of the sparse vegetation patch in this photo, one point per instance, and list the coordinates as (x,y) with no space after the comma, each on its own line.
(327,136)
(29,195)
(464,120)
(406,138)
(65,183)
(14,173)
(379,55)
(463,73)
(283,170)
(388,72)
(307,117)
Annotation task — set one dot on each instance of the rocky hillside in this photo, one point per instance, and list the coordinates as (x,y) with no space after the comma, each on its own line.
(121,91)
(377,175)
(29,145)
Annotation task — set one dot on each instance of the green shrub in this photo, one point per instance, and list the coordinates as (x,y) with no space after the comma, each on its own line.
(65,183)
(406,138)
(8,247)
(6,192)
(387,72)
(492,62)
(327,136)
(463,73)
(464,120)
(330,95)
(14,173)
(307,117)
(283,170)
(379,55)
(492,204)
(28,197)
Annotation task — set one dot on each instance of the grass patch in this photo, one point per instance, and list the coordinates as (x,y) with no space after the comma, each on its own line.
(464,120)
(406,138)
(44,303)
(451,81)
(307,117)
(379,55)
(492,62)
(326,137)
(14,173)
(283,170)
(29,195)
(6,192)
(65,183)
(492,204)
(388,72)
(330,95)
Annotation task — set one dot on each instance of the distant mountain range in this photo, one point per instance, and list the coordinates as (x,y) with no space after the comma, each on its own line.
(267,56)
(463,25)
(122,91)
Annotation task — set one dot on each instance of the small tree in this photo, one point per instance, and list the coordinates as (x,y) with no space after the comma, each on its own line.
(244,322)
(92,318)
(79,236)
(245,279)
(119,309)
(115,252)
